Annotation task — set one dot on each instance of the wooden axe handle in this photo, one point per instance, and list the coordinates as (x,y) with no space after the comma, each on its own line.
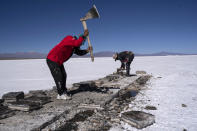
(88,38)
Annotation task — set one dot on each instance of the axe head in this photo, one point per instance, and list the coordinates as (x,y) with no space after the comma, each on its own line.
(92,13)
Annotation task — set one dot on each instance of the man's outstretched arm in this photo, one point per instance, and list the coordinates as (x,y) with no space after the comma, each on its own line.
(81,39)
(80,52)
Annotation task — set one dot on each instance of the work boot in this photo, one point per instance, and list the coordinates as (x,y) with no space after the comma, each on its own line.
(64,96)
(127,75)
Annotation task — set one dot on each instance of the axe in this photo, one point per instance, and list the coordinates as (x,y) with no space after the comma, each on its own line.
(92,13)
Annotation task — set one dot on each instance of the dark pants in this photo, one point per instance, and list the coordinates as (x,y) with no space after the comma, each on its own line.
(128,68)
(130,59)
(59,74)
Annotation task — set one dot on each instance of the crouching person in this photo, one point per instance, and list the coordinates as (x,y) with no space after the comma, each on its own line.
(125,57)
(60,54)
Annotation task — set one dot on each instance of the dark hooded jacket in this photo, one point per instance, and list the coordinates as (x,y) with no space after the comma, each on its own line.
(125,57)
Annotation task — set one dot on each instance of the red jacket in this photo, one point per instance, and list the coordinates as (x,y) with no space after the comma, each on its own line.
(64,50)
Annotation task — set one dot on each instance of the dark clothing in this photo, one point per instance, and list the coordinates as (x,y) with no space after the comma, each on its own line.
(125,57)
(59,75)
(58,72)
(64,50)
(79,52)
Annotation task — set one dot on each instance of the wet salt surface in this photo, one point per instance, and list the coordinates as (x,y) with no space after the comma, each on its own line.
(174,84)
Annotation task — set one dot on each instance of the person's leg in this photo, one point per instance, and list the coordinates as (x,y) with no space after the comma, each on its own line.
(57,75)
(130,59)
(128,68)
(63,78)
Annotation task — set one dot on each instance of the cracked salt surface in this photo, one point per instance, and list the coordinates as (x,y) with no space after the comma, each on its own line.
(174,83)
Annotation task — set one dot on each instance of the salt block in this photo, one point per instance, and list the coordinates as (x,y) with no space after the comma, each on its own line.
(13,96)
(37,93)
(41,100)
(1,101)
(138,119)
(140,72)
(85,84)
(99,82)
(112,77)
(150,108)
(24,105)
(143,79)
(127,93)
(5,112)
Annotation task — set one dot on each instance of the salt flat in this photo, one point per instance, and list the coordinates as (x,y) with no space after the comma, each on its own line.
(174,83)
(33,74)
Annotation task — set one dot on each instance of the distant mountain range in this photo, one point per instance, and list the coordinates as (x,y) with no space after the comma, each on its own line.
(22,55)
(36,55)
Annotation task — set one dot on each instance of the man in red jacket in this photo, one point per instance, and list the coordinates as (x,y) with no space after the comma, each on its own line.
(61,53)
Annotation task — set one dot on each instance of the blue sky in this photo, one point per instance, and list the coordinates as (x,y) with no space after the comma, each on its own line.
(142,26)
